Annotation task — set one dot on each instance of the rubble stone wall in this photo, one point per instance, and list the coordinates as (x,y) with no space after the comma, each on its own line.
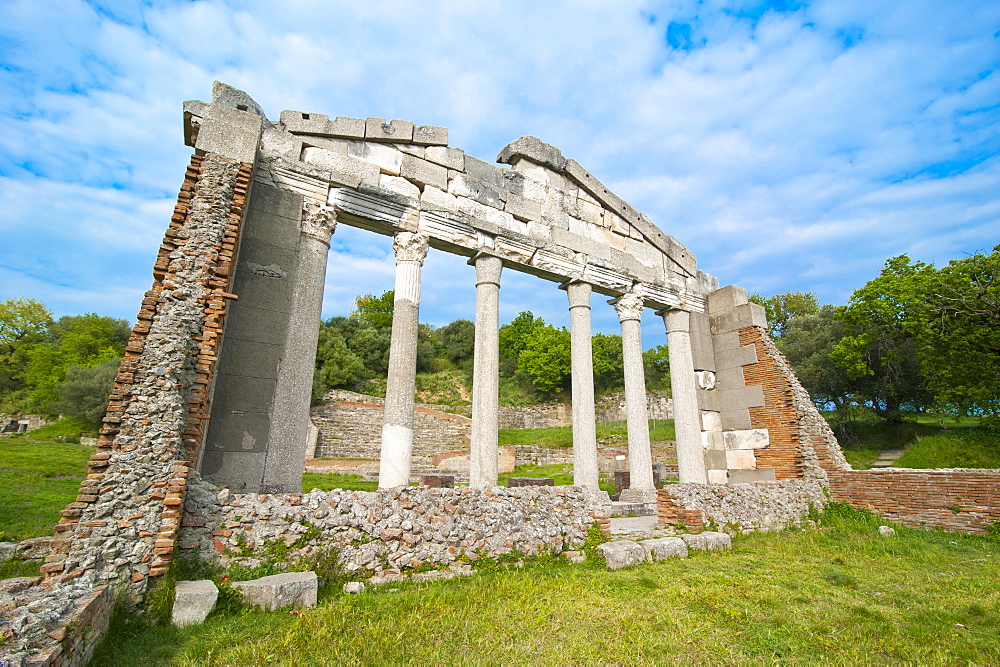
(757,506)
(390,529)
(965,500)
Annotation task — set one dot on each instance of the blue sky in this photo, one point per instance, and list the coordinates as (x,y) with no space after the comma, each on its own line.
(790,145)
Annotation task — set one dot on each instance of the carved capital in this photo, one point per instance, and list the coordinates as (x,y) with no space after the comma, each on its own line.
(318,220)
(629,306)
(410,247)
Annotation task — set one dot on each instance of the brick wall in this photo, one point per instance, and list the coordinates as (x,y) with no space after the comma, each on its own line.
(963,500)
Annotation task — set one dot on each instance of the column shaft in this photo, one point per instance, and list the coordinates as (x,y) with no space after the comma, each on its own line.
(486,374)
(641,489)
(397,430)
(585,469)
(687,417)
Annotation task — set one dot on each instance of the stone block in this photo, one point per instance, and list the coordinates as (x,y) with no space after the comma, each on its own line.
(385,157)
(229,132)
(235,98)
(193,602)
(740,317)
(462,185)
(741,459)
(533,149)
(751,476)
(745,397)
(575,557)
(342,169)
(707,400)
(724,341)
(622,553)
(350,128)
(730,378)
(734,420)
(34,548)
(446,156)
(718,477)
(354,587)
(666,547)
(529,481)
(755,438)
(726,298)
(736,358)
(401,131)
(715,459)
(886,531)
(291,589)
(430,135)
(711,421)
(400,186)
(523,209)
(708,541)
(424,172)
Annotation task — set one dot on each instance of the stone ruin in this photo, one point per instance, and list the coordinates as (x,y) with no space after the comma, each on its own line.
(208,422)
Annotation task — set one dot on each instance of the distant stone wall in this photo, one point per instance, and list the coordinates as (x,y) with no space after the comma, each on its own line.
(959,499)
(611,407)
(390,530)
(757,506)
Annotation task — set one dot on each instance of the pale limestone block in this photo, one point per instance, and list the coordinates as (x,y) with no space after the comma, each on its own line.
(711,421)
(717,477)
(726,298)
(709,541)
(577,226)
(386,158)
(489,214)
(377,129)
(605,236)
(446,156)
(430,135)
(666,547)
(411,149)
(328,144)
(433,199)
(352,128)
(462,185)
(713,440)
(354,587)
(399,185)
(622,553)
(587,197)
(523,209)
(292,589)
(424,172)
(539,230)
(756,438)
(344,169)
(193,602)
(886,531)
(589,211)
(740,459)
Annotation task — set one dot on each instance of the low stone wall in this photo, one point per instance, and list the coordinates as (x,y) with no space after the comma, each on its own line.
(957,499)
(388,531)
(758,506)
(611,407)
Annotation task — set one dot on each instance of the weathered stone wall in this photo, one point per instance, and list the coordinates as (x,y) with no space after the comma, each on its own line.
(965,500)
(611,407)
(757,506)
(391,529)
(123,524)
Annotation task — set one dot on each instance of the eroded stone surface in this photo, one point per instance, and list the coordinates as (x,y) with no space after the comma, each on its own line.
(291,589)
(709,541)
(623,553)
(666,547)
(193,602)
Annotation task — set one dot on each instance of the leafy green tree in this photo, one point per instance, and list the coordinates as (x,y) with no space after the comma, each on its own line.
(515,335)
(808,344)
(781,308)
(23,323)
(457,341)
(609,366)
(546,358)
(336,364)
(371,345)
(374,311)
(85,392)
(656,368)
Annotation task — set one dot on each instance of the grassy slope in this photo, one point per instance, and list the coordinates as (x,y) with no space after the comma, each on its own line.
(325,481)
(38,477)
(837,594)
(929,441)
(562,436)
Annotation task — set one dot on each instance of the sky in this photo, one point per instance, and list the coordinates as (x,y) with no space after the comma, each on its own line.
(791,146)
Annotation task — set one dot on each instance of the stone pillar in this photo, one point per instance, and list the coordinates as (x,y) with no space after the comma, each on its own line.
(286,452)
(687,417)
(486,374)
(585,471)
(641,489)
(397,431)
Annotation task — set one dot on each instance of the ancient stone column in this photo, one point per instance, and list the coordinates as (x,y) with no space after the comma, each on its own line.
(641,489)
(687,417)
(585,471)
(486,374)
(293,389)
(397,430)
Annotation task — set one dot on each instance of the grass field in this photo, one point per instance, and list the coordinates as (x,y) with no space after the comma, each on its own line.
(930,441)
(328,481)
(562,436)
(836,594)
(39,476)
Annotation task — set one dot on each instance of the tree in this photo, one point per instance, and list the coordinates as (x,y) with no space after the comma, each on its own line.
(807,344)
(336,364)
(85,392)
(23,323)
(457,341)
(781,308)
(546,358)
(374,311)
(609,365)
(656,368)
(515,335)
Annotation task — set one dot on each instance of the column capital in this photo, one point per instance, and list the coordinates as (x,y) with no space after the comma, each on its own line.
(677,320)
(579,292)
(410,247)
(629,305)
(318,220)
(488,269)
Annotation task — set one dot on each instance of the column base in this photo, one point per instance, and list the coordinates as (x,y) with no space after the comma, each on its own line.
(644,496)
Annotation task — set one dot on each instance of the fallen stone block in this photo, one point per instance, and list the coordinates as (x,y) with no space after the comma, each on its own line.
(34,548)
(7,550)
(193,602)
(354,587)
(708,541)
(666,547)
(886,531)
(529,481)
(575,557)
(622,553)
(291,589)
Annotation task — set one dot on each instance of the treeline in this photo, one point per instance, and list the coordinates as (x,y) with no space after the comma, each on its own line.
(916,338)
(353,352)
(65,366)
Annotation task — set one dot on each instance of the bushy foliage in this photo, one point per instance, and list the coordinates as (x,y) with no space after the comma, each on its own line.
(85,392)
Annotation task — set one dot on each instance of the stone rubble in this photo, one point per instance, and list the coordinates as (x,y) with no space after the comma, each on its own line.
(31,612)
(759,506)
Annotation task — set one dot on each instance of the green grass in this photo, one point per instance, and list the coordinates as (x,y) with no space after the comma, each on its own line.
(39,476)
(838,594)
(19,568)
(562,436)
(562,474)
(328,481)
